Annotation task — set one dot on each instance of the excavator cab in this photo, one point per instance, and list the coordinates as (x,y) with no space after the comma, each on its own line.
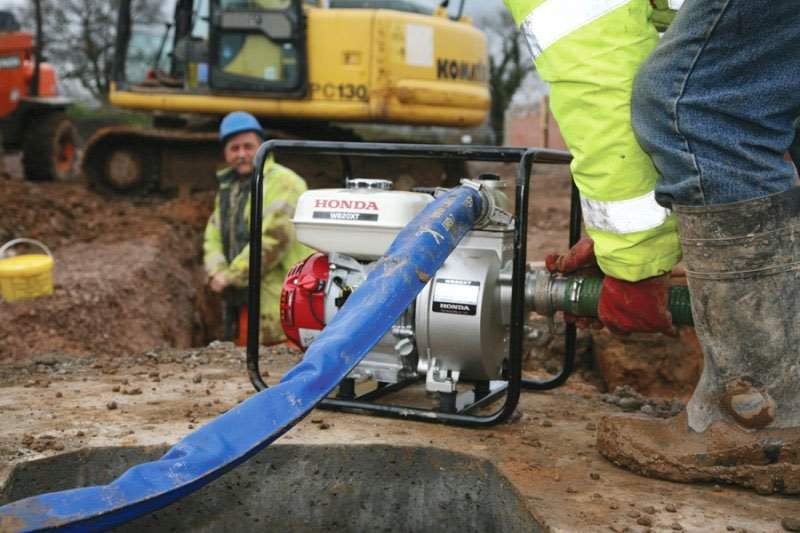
(222,45)
(257,45)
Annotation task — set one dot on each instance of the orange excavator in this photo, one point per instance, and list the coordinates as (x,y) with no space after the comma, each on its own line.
(32,114)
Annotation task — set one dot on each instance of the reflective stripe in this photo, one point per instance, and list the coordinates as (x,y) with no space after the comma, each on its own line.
(554,19)
(279,206)
(675,4)
(624,216)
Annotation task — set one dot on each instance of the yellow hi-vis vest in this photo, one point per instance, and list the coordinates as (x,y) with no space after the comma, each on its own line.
(589,51)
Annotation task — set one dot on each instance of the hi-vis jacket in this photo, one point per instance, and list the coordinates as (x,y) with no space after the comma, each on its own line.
(226,246)
(589,51)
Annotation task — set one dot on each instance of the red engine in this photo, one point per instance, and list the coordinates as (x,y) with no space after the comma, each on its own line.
(303,300)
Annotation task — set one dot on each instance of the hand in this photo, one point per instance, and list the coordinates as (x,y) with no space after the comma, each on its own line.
(643,306)
(218,282)
(579,259)
(624,306)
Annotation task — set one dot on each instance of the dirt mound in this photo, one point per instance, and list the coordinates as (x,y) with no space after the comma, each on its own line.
(653,365)
(128,274)
(60,214)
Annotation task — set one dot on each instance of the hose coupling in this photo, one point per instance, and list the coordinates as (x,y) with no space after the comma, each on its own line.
(494,204)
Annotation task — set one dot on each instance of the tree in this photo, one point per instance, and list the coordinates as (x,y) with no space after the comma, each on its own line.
(509,65)
(78,37)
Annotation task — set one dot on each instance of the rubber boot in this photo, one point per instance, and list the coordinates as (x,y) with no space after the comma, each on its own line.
(742,424)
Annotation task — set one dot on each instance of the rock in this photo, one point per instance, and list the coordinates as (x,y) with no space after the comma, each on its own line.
(791,524)
(645,521)
(111,405)
(49,359)
(634,514)
(594,475)
(547,423)
(197,378)
(591,426)
(630,404)
(676,526)
(629,400)
(670,508)
(648,409)
(649,509)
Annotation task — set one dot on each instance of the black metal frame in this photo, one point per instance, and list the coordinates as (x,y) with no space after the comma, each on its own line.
(525,158)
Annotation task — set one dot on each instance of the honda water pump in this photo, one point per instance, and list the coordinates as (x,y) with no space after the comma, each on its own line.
(457,329)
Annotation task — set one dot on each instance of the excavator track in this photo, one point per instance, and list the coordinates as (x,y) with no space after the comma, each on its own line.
(137,161)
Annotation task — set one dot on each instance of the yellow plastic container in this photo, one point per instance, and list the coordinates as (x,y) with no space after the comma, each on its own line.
(25,276)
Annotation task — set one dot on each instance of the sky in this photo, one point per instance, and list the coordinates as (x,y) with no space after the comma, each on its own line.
(472,7)
(476,8)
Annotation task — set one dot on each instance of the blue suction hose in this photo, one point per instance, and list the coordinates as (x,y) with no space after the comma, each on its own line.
(230,439)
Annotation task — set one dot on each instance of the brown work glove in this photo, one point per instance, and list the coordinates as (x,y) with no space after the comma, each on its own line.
(625,306)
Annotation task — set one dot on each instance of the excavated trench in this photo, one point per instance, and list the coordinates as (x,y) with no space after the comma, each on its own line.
(303,488)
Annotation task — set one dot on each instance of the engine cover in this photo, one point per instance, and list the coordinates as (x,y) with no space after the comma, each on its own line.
(303,300)
(361,223)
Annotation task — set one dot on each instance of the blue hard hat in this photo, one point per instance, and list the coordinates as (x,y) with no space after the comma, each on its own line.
(238,122)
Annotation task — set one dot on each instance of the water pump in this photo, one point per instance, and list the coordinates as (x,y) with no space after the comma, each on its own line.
(458,328)
(461,334)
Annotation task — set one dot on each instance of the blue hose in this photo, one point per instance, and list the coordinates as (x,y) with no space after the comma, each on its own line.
(230,439)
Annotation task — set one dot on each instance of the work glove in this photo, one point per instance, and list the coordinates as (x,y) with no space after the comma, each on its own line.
(625,306)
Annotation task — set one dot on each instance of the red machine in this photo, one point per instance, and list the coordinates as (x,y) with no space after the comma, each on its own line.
(32,116)
(303,300)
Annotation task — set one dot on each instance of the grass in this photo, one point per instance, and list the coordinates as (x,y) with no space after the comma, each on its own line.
(85,113)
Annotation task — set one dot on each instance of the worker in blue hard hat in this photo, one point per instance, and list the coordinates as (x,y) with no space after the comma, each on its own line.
(226,247)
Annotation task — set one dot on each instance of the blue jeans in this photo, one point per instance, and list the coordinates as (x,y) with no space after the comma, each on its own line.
(716,103)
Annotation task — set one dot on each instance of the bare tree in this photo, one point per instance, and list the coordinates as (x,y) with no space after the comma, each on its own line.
(78,37)
(509,65)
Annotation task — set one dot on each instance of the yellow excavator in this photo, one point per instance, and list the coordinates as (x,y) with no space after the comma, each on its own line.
(376,70)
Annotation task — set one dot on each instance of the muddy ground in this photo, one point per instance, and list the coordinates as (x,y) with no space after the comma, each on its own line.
(123,353)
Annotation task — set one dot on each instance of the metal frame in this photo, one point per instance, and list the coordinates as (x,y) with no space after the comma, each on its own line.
(525,158)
